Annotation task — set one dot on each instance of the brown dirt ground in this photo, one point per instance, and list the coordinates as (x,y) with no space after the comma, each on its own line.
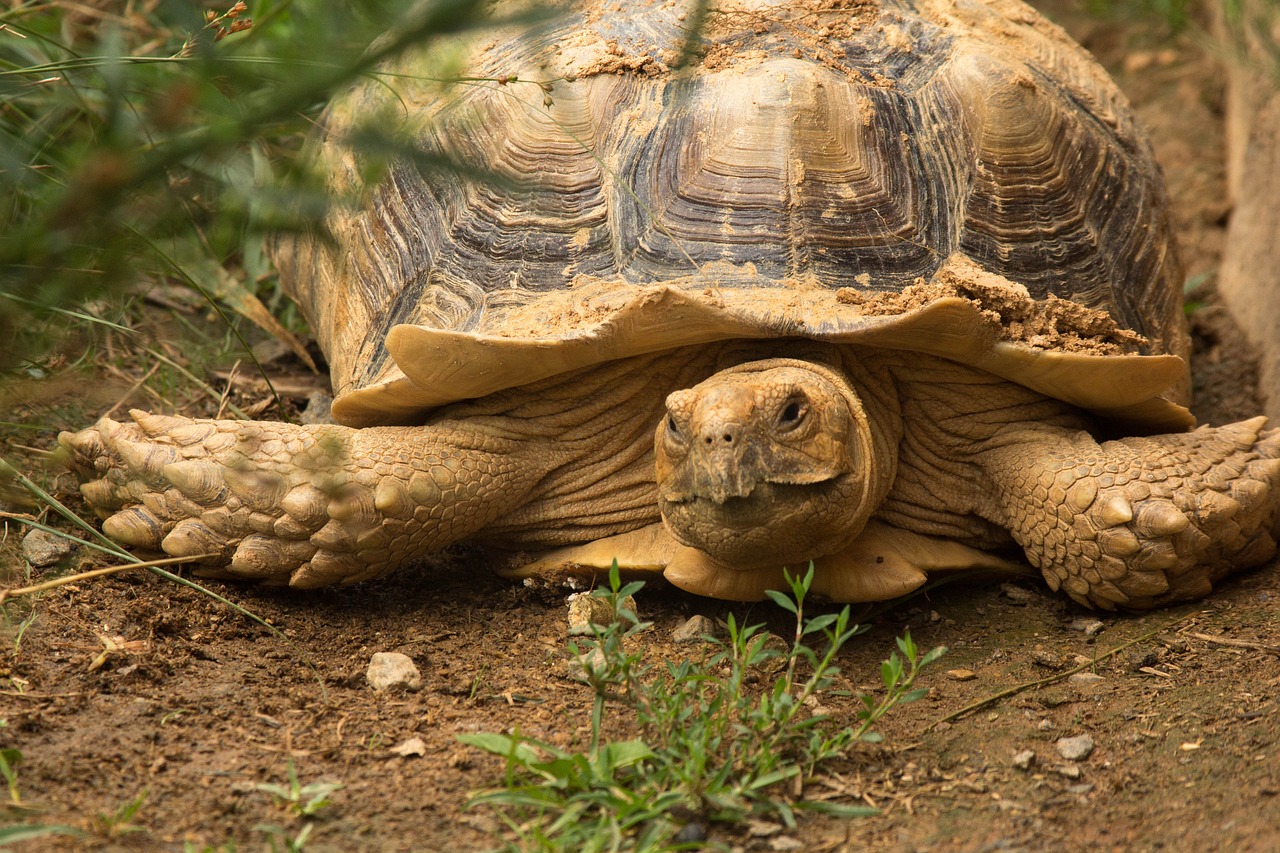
(197,705)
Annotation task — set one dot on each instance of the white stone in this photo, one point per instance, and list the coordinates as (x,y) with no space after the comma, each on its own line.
(1075,748)
(41,548)
(693,630)
(393,671)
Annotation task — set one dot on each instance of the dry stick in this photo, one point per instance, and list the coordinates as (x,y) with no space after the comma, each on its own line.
(6,594)
(143,381)
(1040,682)
(204,386)
(1228,641)
(225,399)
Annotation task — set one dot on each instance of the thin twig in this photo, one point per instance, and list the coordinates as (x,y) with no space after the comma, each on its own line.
(1228,641)
(125,398)
(225,399)
(1040,682)
(6,594)
(205,386)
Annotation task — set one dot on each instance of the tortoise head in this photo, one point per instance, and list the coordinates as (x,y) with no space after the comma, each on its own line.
(770,463)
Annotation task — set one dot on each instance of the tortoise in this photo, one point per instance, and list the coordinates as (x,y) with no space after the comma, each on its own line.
(888,286)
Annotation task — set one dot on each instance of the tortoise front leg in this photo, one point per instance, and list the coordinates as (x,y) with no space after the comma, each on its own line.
(303,505)
(1141,522)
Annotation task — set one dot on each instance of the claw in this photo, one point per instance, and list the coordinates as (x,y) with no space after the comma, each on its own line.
(101,496)
(1158,519)
(1115,509)
(136,527)
(263,557)
(190,537)
(324,569)
(84,446)
(1118,541)
(145,461)
(199,481)
(260,490)
(307,505)
(155,425)
(1145,584)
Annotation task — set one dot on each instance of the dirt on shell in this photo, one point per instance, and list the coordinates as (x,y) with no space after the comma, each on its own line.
(1050,324)
(133,688)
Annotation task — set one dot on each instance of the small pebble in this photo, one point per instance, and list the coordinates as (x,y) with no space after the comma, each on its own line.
(691,833)
(1143,660)
(1024,760)
(1088,627)
(319,409)
(414,746)
(576,667)
(1016,595)
(393,671)
(961,674)
(1045,725)
(762,828)
(41,548)
(1071,771)
(1075,748)
(1086,679)
(1048,660)
(694,629)
(587,609)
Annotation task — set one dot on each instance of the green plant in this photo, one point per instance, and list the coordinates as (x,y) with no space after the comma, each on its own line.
(300,800)
(280,841)
(151,142)
(120,822)
(709,746)
(9,760)
(1175,14)
(17,833)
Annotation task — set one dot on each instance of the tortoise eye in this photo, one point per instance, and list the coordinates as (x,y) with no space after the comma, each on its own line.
(792,413)
(671,426)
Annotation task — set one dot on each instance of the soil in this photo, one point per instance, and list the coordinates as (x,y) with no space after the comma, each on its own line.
(131,685)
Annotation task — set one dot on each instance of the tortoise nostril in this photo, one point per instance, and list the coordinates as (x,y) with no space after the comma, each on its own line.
(728,439)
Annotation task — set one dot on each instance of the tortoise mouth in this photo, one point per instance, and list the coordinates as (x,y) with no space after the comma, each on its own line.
(763,506)
(776,524)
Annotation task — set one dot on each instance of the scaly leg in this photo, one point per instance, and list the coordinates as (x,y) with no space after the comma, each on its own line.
(1141,522)
(303,505)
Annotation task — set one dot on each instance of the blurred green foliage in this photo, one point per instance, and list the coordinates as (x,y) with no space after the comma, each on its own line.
(1177,14)
(156,140)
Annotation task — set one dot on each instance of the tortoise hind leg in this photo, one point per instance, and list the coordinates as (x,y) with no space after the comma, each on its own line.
(303,505)
(1142,522)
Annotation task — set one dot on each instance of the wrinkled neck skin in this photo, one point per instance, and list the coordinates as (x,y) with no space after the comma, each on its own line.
(778,460)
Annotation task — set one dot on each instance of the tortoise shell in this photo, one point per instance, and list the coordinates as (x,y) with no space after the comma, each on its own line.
(951,177)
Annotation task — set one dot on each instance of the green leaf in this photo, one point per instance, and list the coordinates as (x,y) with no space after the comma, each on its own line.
(19,832)
(932,655)
(908,646)
(890,672)
(819,623)
(781,599)
(506,746)
(836,809)
(628,752)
